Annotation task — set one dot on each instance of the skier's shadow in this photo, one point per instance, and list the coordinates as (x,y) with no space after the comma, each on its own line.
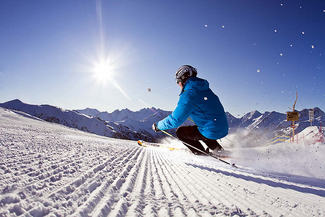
(313,182)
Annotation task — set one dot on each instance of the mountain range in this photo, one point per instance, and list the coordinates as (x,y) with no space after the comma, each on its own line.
(275,123)
(76,120)
(134,125)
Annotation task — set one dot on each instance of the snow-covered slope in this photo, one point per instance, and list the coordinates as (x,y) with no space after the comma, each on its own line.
(311,135)
(75,120)
(49,169)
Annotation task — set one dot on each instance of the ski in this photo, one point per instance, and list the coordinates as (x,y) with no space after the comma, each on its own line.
(203,152)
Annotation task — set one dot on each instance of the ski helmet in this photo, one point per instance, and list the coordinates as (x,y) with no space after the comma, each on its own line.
(184,72)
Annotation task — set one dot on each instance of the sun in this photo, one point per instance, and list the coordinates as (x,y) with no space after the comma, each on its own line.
(103,70)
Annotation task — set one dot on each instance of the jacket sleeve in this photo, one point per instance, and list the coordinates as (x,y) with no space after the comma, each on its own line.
(179,115)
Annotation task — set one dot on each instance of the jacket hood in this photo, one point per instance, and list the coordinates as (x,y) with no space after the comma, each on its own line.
(195,83)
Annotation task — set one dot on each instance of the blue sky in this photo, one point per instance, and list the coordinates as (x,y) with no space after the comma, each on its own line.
(255,53)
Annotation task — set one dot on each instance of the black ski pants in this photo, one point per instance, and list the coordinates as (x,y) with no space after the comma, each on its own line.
(191,135)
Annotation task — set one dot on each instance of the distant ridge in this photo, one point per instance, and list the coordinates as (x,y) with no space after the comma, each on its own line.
(75,120)
(135,125)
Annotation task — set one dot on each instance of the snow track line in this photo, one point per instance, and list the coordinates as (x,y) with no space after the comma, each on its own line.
(205,202)
(226,185)
(107,188)
(36,174)
(212,193)
(179,196)
(163,194)
(51,175)
(40,182)
(105,196)
(151,189)
(63,195)
(82,179)
(67,204)
(83,189)
(190,190)
(122,206)
(137,201)
(49,161)
(222,191)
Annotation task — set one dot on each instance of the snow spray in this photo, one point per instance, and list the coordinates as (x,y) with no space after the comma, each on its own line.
(302,159)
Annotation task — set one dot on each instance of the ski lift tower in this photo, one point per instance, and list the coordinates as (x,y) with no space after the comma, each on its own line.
(293,116)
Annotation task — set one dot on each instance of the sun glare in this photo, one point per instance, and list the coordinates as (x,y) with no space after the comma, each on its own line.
(103,71)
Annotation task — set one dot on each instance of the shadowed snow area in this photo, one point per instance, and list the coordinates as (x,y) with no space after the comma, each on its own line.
(49,169)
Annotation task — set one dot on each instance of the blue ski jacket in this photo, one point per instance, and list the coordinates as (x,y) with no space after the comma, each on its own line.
(198,102)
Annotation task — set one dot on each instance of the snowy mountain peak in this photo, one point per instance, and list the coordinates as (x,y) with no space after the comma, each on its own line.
(126,110)
(88,111)
(252,115)
(249,118)
(152,109)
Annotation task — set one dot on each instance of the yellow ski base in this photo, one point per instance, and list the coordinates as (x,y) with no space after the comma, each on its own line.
(141,143)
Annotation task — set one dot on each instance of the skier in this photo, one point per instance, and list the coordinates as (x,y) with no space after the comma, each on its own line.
(198,102)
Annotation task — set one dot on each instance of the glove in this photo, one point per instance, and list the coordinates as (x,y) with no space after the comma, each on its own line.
(154,127)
